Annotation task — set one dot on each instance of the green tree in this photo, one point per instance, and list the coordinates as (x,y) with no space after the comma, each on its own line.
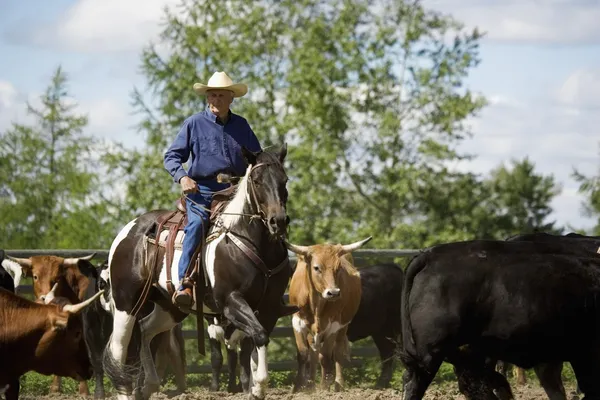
(48,177)
(590,187)
(369,96)
(520,199)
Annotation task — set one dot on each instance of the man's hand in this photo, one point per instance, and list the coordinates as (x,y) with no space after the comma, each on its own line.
(188,185)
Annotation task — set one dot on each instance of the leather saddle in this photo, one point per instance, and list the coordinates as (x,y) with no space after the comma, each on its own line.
(166,234)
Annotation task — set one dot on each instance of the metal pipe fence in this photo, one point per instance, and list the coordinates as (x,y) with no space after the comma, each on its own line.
(361,257)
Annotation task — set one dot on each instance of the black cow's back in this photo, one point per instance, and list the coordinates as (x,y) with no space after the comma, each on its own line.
(520,307)
(380,305)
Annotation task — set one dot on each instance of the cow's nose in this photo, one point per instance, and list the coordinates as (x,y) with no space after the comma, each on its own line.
(331,293)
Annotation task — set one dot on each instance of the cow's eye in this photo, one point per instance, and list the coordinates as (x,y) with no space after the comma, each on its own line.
(317,268)
(35,277)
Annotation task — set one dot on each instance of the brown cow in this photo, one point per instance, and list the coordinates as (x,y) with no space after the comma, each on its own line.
(71,284)
(75,279)
(45,338)
(326,288)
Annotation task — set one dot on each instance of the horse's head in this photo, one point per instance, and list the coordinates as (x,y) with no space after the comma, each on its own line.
(267,188)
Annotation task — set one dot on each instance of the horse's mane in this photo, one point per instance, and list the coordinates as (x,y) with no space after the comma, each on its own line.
(233,210)
(235,207)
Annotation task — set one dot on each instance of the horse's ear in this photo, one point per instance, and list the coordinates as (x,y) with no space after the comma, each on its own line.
(282,152)
(249,156)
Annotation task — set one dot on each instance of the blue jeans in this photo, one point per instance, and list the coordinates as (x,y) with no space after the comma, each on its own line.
(196,228)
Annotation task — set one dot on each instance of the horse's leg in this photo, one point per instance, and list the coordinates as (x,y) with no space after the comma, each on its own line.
(241,315)
(115,354)
(246,348)
(151,325)
(178,360)
(232,361)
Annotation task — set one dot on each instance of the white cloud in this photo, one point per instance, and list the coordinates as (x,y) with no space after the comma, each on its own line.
(581,89)
(548,21)
(554,139)
(108,119)
(96,26)
(13,105)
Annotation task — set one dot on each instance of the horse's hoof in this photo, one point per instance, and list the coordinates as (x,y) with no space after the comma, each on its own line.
(256,395)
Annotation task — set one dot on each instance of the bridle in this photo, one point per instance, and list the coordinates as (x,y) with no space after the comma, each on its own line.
(255,205)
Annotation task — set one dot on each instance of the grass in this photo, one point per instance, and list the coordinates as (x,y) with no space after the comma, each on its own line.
(365,376)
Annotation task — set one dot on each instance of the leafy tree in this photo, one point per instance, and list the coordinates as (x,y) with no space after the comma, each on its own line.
(521,199)
(369,96)
(48,177)
(590,187)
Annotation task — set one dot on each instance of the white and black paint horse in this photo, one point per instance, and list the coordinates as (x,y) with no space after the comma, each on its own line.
(246,264)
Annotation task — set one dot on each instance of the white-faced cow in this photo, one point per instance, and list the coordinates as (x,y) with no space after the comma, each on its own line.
(12,268)
(6,280)
(77,279)
(326,288)
(47,339)
(526,303)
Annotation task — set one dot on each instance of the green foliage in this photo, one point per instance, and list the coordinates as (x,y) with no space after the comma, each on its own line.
(590,187)
(50,178)
(369,96)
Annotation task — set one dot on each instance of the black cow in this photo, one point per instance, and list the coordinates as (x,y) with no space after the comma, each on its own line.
(10,273)
(378,314)
(550,375)
(6,280)
(523,302)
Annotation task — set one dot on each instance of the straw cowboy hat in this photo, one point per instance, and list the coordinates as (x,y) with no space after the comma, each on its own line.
(220,80)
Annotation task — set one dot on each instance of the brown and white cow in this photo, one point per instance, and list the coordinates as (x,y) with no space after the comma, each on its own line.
(76,279)
(326,288)
(45,338)
(71,283)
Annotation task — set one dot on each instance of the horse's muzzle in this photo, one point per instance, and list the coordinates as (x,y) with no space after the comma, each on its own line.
(277,225)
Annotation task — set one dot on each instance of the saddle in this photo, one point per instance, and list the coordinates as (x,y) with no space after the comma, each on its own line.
(166,235)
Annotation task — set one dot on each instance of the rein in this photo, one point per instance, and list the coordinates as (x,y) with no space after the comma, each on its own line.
(258,262)
(260,215)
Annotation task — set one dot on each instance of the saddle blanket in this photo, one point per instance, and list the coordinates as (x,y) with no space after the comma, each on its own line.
(162,239)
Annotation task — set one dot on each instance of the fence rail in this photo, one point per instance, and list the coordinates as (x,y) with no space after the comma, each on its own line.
(361,257)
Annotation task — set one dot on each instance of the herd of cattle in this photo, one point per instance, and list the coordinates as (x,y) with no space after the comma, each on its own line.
(532,301)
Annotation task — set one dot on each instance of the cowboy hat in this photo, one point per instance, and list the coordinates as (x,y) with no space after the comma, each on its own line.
(220,80)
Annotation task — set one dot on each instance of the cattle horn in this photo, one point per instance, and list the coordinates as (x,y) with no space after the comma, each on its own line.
(74,261)
(347,248)
(24,262)
(77,308)
(302,250)
(47,299)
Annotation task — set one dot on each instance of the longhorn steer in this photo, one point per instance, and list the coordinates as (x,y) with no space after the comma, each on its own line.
(326,288)
(47,339)
(77,279)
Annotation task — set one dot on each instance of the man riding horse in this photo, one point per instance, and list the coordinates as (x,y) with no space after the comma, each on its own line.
(212,141)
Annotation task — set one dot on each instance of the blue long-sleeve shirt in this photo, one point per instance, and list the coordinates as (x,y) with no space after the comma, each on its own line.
(211,147)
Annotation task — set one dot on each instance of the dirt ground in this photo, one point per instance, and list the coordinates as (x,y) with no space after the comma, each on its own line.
(435,392)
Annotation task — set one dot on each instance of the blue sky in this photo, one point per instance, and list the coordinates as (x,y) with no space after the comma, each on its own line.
(540,71)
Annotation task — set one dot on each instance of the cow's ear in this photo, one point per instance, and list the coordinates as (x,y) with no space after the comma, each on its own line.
(59,324)
(27,270)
